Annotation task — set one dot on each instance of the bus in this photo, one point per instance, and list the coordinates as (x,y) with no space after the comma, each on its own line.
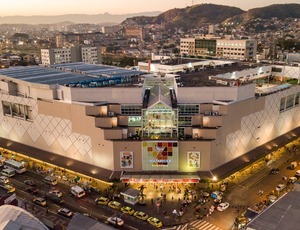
(15,165)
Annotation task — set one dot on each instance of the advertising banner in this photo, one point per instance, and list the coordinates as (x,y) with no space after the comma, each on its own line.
(193,159)
(126,158)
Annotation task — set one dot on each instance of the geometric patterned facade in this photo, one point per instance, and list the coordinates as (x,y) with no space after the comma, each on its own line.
(265,125)
(47,128)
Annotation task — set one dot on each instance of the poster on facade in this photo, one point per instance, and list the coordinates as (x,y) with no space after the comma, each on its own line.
(126,159)
(193,159)
(160,154)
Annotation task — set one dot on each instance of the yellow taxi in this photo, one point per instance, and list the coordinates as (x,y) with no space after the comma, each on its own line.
(155,222)
(102,200)
(10,188)
(127,210)
(141,215)
(115,205)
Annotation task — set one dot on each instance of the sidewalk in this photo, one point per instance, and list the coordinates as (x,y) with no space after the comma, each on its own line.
(173,201)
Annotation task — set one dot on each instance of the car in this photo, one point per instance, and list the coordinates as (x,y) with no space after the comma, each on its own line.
(297,173)
(115,205)
(10,188)
(128,210)
(223,206)
(30,183)
(102,200)
(280,187)
(55,198)
(40,201)
(217,195)
(155,222)
(274,170)
(272,198)
(65,212)
(55,192)
(115,220)
(141,215)
(292,179)
(32,190)
(4,180)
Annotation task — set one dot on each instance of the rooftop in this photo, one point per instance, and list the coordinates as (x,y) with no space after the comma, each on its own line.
(70,74)
(283,214)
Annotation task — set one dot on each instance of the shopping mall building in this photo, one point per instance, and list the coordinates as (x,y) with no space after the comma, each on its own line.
(174,124)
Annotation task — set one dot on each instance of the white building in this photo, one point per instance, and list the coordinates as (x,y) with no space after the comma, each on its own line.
(221,48)
(86,54)
(237,49)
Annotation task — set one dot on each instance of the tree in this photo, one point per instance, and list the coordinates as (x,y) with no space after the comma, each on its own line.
(142,195)
(186,193)
(111,189)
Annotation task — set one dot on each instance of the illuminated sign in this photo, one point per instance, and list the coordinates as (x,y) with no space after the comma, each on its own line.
(160,155)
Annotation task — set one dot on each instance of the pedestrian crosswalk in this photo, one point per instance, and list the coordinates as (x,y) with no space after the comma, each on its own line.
(198,225)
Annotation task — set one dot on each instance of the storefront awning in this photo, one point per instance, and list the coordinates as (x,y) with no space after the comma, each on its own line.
(161,178)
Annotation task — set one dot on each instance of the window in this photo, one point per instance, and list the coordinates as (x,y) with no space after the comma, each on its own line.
(282,104)
(17,110)
(290,101)
(297,99)
(131,109)
(275,69)
(188,109)
(185,121)
(134,121)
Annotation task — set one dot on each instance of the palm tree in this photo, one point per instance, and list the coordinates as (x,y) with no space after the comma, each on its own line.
(142,195)
(186,193)
(111,189)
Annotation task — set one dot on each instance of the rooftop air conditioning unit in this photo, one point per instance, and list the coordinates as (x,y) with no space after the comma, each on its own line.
(111,113)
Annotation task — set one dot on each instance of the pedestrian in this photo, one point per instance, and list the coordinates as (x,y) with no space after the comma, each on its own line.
(47,210)
(152,201)
(172,198)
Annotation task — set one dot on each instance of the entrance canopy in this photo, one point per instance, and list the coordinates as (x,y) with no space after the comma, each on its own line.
(160,178)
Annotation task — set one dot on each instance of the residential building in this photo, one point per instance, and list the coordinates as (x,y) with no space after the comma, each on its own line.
(135,31)
(221,48)
(91,55)
(237,49)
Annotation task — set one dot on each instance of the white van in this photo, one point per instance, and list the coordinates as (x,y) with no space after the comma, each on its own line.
(77,191)
(52,180)
(8,172)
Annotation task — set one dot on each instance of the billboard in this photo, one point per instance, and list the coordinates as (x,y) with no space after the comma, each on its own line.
(160,155)
(126,159)
(193,159)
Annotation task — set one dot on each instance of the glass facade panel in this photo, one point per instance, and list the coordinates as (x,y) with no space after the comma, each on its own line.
(134,121)
(297,99)
(188,109)
(290,101)
(159,122)
(282,104)
(131,110)
(185,121)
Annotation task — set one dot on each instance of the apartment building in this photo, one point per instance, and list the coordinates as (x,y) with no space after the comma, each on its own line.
(237,49)
(91,55)
(135,32)
(221,48)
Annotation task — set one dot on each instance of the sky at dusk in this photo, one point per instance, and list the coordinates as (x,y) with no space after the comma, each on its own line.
(58,7)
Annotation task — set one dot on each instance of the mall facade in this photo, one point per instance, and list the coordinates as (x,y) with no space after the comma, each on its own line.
(144,125)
